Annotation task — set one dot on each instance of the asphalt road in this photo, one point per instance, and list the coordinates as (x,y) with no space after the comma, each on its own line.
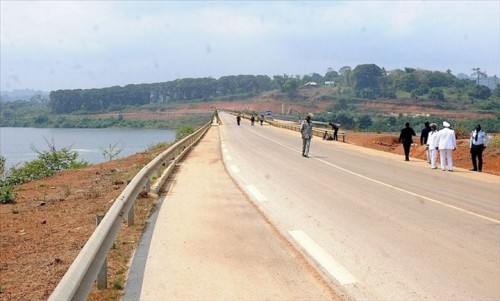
(207,241)
(379,227)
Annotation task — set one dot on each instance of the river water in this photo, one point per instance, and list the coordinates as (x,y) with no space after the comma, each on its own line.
(16,144)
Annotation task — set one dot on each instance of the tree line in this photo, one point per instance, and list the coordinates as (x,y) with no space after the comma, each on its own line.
(367,81)
(187,89)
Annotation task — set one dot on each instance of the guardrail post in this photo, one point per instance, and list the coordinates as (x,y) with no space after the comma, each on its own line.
(102,277)
(130,216)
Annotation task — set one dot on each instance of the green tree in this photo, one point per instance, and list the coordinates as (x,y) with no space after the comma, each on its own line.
(346,72)
(366,76)
(480,92)
(330,75)
(479,74)
(364,122)
(436,94)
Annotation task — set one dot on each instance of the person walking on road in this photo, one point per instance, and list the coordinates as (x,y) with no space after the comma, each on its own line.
(424,135)
(238,119)
(478,141)
(306,131)
(252,120)
(406,139)
(432,145)
(446,143)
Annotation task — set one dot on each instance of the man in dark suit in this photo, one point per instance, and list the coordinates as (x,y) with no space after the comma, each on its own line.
(406,138)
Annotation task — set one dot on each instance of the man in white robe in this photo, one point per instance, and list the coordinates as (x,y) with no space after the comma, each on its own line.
(432,145)
(447,143)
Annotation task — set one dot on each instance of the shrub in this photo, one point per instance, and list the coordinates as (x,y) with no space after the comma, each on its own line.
(2,166)
(47,164)
(494,147)
(183,131)
(156,146)
(32,170)
(7,195)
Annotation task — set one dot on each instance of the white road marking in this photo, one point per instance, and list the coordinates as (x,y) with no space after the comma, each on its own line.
(391,186)
(234,168)
(257,194)
(325,260)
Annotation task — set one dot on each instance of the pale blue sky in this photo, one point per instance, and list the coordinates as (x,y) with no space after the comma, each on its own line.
(50,45)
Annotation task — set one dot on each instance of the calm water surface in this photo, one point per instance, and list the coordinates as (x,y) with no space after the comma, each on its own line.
(16,143)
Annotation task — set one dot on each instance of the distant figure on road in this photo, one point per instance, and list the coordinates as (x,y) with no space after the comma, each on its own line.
(424,134)
(406,138)
(478,141)
(306,131)
(252,119)
(432,145)
(238,119)
(447,143)
(261,119)
(335,128)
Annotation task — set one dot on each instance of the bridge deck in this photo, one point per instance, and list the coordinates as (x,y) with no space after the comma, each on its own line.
(207,241)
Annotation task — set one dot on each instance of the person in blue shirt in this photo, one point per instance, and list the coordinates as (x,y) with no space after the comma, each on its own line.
(478,141)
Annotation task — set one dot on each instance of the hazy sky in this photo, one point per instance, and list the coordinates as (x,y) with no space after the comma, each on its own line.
(50,45)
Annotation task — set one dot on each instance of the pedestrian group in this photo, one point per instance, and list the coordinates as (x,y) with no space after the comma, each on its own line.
(444,142)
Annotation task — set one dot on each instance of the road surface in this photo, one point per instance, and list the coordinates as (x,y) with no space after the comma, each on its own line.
(379,227)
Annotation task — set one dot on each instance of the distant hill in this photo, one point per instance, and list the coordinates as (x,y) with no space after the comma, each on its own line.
(24,94)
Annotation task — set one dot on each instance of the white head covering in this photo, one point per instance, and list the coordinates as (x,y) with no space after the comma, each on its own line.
(446,124)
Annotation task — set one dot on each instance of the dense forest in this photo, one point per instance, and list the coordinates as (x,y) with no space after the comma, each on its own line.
(364,81)
(344,90)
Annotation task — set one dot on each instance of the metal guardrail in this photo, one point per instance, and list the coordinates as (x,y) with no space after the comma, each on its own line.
(81,275)
(319,132)
(295,126)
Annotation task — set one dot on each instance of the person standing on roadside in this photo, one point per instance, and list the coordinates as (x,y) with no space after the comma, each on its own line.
(335,128)
(424,135)
(406,138)
(238,119)
(446,143)
(252,119)
(478,141)
(432,145)
(306,131)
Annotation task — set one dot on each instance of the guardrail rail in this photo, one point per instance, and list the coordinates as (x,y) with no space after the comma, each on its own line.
(81,275)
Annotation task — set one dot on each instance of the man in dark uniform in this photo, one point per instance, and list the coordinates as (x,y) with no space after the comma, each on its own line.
(406,137)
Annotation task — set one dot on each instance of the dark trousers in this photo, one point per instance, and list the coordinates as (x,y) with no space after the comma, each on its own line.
(476,154)
(406,147)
